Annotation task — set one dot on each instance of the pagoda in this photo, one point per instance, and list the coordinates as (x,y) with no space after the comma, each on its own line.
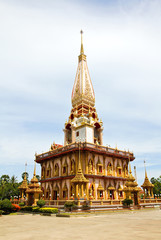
(24,186)
(83,167)
(34,191)
(131,188)
(147,186)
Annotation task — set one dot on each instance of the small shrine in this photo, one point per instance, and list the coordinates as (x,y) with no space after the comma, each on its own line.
(34,191)
(131,188)
(80,181)
(23,187)
(147,187)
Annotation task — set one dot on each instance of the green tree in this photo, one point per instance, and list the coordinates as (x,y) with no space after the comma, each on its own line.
(157,185)
(23,175)
(8,187)
(38,177)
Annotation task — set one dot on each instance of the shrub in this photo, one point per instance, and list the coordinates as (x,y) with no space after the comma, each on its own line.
(15,207)
(6,206)
(69,205)
(27,208)
(85,205)
(127,202)
(35,209)
(0,204)
(21,204)
(48,210)
(1,212)
(40,203)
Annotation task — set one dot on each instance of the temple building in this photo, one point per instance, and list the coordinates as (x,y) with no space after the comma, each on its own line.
(83,167)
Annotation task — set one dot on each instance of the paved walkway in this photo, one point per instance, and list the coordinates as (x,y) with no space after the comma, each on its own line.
(142,224)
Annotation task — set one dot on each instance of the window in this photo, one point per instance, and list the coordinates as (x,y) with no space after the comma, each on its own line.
(64,194)
(101,193)
(77,134)
(64,169)
(100,169)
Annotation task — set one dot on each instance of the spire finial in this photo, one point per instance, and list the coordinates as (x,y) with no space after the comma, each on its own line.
(129,166)
(35,169)
(145,169)
(79,164)
(82,49)
(25,171)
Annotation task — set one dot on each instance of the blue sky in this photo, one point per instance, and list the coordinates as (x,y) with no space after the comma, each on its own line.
(40,42)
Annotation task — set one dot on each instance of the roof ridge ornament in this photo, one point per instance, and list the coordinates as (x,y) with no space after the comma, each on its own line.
(82,49)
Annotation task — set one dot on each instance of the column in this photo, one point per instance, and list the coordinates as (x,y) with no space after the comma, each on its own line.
(76,190)
(94,189)
(105,191)
(87,190)
(82,193)
(104,170)
(86,163)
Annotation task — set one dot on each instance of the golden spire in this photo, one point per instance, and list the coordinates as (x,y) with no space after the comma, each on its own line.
(145,170)
(79,176)
(82,56)
(83,91)
(82,49)
(146,183)
(35,170)
(129,166)
(25,171)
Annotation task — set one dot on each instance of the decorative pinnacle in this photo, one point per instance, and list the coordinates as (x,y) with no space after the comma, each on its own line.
(145,169)
(35,169)
(25,171)
(82,49)
(129,166)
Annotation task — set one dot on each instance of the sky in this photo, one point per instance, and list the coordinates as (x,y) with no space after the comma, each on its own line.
(40,44)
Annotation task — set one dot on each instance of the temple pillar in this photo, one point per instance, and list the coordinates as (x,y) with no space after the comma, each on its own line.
(115,196)
(87,192)
(104,169)
(76,193)
(94,189)
(86,167)
(105,192)
(82,193)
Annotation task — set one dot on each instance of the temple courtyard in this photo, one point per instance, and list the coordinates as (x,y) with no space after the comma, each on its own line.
(122,225)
